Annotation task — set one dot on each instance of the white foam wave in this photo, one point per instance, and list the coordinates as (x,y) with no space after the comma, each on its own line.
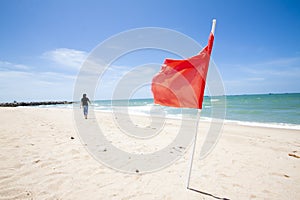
(214,100)
(266,125)
(150,109)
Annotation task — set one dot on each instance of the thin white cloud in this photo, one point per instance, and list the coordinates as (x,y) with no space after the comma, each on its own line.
(29,83)
(35,86)
(66,57)
(277,75)
(256,79)
(279,62)
(4,65)
(121,81)
(286,72)
(281,67)
(11,78)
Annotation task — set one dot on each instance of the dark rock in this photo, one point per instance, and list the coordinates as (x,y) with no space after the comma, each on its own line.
(15,104)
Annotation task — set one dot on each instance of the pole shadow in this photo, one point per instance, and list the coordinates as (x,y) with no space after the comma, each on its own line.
(207,194)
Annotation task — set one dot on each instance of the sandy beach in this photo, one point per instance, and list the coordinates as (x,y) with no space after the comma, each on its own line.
(42,157)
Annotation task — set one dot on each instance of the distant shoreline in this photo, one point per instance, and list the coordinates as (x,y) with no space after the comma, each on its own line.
(16,104)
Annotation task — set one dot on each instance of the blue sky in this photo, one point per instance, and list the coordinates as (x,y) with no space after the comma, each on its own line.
(43,43)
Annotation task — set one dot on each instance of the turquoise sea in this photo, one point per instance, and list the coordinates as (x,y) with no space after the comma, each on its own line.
(266,108)
(262,109)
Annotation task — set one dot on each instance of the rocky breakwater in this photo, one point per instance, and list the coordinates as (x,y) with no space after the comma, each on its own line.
(15,104)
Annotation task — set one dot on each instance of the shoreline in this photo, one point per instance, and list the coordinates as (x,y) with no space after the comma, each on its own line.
(276,125)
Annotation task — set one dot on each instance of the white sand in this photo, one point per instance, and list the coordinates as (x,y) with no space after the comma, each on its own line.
(39,160)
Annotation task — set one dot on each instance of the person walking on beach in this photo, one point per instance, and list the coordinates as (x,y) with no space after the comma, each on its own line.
(85,105)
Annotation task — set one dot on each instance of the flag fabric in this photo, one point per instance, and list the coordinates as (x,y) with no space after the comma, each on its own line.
(181,83)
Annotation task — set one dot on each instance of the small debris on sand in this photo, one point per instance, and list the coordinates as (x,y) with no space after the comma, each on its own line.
(294,155)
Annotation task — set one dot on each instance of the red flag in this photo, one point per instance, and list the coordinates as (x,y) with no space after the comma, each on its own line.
(181,83)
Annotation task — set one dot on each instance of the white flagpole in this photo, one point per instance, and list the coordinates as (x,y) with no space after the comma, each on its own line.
(197,123)
(213,27)
(193,151)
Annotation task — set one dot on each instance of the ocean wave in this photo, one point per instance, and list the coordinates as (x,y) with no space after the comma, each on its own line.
(274,111)
(214,100)
(266,125)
